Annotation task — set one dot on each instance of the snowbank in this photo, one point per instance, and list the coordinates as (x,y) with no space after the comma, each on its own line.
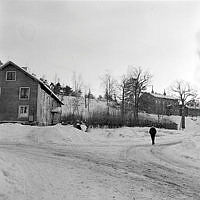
(187,151)
(58,134)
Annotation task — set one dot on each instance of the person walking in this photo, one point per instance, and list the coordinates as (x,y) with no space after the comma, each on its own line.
(152,132)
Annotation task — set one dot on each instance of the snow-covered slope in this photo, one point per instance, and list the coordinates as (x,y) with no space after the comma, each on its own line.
(71,104)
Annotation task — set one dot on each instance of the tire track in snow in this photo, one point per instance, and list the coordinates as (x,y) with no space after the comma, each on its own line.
(107,180)
(157,167)
(157,175)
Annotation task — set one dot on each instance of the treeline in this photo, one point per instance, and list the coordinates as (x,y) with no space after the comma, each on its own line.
(114,120)
(127,91)
(59,89)
(122,95)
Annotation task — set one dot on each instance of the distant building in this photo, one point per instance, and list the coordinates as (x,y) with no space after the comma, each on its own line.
(192,108)
(26,99)
(161,104)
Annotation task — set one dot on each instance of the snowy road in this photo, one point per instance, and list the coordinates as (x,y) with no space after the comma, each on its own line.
(103,171)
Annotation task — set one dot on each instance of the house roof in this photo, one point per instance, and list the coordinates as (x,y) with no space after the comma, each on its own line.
(43,86)
(163,96)
(193,107)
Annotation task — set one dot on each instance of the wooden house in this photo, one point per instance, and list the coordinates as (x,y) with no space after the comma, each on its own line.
(160,104)
(192,108)
(26,99)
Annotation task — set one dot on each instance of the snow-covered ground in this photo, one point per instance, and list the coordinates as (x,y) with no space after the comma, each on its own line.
(64,163)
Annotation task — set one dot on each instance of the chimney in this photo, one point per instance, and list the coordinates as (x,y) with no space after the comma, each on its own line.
(164,93)
(152,91)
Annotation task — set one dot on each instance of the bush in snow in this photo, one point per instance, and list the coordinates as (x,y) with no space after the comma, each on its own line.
(115,120)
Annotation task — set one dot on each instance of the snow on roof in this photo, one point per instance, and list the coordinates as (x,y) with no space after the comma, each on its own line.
(163,96)
(193,107)
(46,88)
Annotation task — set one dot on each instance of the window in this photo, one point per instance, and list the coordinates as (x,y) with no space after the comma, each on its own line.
(11,76)
(23,111)
(0,91)
(24,93)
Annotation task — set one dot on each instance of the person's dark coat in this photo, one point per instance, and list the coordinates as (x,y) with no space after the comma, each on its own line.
(78,126)
(152,132)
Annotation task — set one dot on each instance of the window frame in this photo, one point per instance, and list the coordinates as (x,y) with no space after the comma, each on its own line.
(23,116)
(28,93)
(7,75)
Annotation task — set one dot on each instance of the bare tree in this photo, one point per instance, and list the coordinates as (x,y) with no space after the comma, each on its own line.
(109,84)
(77,86)
(56,78)
(184,92)
(137,82)
(89,96)
(77,83)
(121,88)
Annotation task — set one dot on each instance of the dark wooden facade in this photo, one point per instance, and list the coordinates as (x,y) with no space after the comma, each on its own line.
(26,99)
(154,103)
(191,111)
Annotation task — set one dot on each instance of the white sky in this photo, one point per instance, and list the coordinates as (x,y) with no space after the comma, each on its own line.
(60,37)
